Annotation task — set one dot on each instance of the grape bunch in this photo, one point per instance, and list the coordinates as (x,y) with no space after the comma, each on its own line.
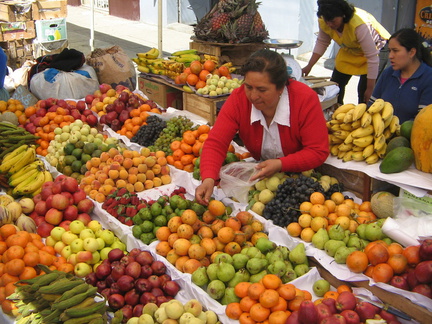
(175,127)
(283,209)
(147,134)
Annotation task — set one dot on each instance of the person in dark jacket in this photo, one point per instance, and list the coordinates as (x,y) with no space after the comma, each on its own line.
(407,84)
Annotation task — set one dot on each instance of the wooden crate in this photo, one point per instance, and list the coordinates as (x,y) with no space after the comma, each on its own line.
(202,106)
(236,53)
(10,11)
(49,9)
(161,92)
(18,51)
(17,30)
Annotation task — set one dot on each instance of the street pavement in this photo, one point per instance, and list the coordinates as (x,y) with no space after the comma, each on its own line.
(137,36)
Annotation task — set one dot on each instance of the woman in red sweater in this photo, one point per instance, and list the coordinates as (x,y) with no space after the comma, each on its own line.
(279,120)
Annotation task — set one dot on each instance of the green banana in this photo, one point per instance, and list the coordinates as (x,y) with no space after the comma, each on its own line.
(98,307)
(189,51)
(60,286)
(83,320)
(64,304)
(74,291)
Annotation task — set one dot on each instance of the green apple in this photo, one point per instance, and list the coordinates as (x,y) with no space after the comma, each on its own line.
(76,226)
(104,252)
(90,244)
(57,232)
(95,257)
(101,243)
(77,245)
(66,252)
(320,287)
(68,237)
(86,233)
(50,241)
(119,245)
(107,236)
(59,246)
(99,232)
(94,225)
(82,269)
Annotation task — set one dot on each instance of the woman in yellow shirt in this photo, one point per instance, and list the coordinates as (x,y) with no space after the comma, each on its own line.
(360,37)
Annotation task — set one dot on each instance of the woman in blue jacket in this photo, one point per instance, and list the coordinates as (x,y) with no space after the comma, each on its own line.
(407,84)
(4,94)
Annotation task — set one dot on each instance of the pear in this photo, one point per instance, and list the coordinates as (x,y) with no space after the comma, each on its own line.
(211,317)
(289,275)
(336,232)
(298,254)
(332,245)
(150,309)
(354,241)
(229,296)
(261,185)
(240,276)
(360,230)
(212,270)
(387,240)
(320,238)
(216,289)
(239,260)
(288,264)
(266,196)
(265,245)
(199,277)
(256,265)
(254,252)
(301,269)
(226,271)
(342,254)
(257,277)
(223,257)
(373,232)
(347,236)
(272,183)
(278,268)
(284,250)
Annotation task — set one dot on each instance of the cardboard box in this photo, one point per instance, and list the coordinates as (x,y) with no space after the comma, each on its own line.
(12,12)
(17,30)
(164,95)
(51,30)
(202,106)
(49,9)
(18,51)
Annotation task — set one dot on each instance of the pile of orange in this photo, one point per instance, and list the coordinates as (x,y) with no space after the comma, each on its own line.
(197,73)
(186,151)
(178,240)
(20,253)
(135,171)
(13,105)
(381,261)
(138,117)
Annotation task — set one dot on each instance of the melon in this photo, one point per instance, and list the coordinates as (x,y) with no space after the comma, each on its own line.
(382,204)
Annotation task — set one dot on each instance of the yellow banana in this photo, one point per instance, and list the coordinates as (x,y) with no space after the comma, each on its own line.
(366,119)
(368,151)
(387,111)
(14,153)
(356,124)
(47,176)
(28,157)
(335,127)
(32,166)
(376,107)
(378,124)
(394,124)
(143,69)
(362,131)
(340,117)
(341,134)
(33,185)
(347,156)
(151,54)
(346,127)
(16,191)
(15,182)
(345,147)
(334,122)
(334,140)
(348,139)
(348,118)
(6,165)
(357,156)
(387,122)
(379,143)
(357,148)
(341,154)
(343,109)
(359,110)
(387,133)
(363,141)
(334,150)
(372,159)
(381,153)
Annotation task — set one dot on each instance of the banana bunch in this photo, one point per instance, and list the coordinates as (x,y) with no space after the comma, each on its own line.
(151,54)
(359,133)
(186,57)
(12,137)
(57,297)
(213,58)
(26,173)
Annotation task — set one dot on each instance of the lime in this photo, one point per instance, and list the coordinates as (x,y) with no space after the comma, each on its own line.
(69,159)
(69,147)
(160,220)
(147,238)
(67,170)
(155,209)
(96,153)
(77,153)
(104,147)
(136,231)
(147,226)
(85,157)
(76,166)
(89,148)
(79,144)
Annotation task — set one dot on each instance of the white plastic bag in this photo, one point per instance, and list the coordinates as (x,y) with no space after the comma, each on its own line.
(66,85)
(235,179)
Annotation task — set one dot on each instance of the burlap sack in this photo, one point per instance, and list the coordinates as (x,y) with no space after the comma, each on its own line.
(113,66)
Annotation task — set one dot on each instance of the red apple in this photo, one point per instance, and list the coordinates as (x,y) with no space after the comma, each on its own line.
(85,206)
(346,300)
(366,310)
(412,279)
(351,317)
(426,250)
(399,282)
(132,297)
(65,224)
(293,318)
(423,289)
(70,213)
(84,256)
(54,216)
(170,288)
(116,301)
(69,196)
(60,201)
(125,283)
(84,217)
(88,112)
(133,269)
(92,120)
(44,229)
(39,219)
(41,208)
(142,285)
(104,87)
(46,192)
(387,316)
(89,99)
(117,271)
(56,188)
(70,184)
(37,198)
(81,105)
(323,311)
(331,303)
(423,272)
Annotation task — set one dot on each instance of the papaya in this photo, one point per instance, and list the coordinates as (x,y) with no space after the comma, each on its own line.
(398,141)
(397,160)
(406,128)
(421,139)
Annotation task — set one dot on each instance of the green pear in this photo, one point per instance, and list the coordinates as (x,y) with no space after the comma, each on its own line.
(320,238)
(332,245)
(226,271)
(274,256)
(373,232)
(229,296)
(223,257)
(336,232)
(342,254)
(354,241)
(216,289)
(254,252)
(239,260)
(298,254)
(199,277)
(347,236)
(212,270)
(257,277)
(301,269)
(240,276)
(288,264)
(320,287)
(360,230)
(285,251)
(289,276)
(387,240)
(278,268)
(256,265)
(265,245)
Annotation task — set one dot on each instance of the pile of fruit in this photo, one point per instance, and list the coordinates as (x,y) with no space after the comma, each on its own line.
(11,111)
(15,212)
(12,137)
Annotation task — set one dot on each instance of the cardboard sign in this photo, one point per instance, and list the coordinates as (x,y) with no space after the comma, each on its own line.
(51,30)
(423,21)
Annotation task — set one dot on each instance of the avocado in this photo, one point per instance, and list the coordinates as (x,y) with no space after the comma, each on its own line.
(397,160)
(398,141)
(406,128)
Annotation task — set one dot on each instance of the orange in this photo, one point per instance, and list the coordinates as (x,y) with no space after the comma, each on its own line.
(233,311)
(277,317)
(294,304)
(271,281)
(378,253)
(241,289)
(15,252)
(28,273)
(398,262)
(382,273)
(412,253)
(357,261)
(15,267)
(7,230)
(342,288)
(216,207)
(395,248)
(208,66)
(317,198)
(255,290)
(269,298)
(259,313)
(287,291)
(245,318)
(331,294)
(31,259)
(192,79)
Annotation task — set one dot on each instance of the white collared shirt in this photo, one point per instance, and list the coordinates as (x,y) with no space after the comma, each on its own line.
(271,145)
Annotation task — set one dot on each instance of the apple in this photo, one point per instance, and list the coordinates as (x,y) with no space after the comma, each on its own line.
(57,233)
(87,113)
(81,105)
(65,224)
(54,216)
(70,213)
(307,312)
(79,195)
(77,245)
(101,243)
(85,206)
(423,289)
(103,271)
(90,244)
(133,269)
(89,99)
(125,283)
(346,300)
(50,241)
(95,258)
(66,252)
(351,317)
(84,256)
(170,288)
(92,120)
(108,236)
(41,208)
(144,257)
(399,282)
(60,201)
(366,310)
(59,246)
(323,311)
(56,188)
(423,272)
(69,196)
(387,316)
(82,269)
(105,252)
(84,217)
(86,233)
(44,229)
(94,225)
(68,237)
(293,318)
(76,226)
(119,245)
(426,250)
(331,303)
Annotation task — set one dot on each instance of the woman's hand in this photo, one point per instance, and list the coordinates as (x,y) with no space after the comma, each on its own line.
(204,191)
(369,89)
(306,70)
(267,169)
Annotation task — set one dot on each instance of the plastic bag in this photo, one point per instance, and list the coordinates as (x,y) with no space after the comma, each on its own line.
(235,179)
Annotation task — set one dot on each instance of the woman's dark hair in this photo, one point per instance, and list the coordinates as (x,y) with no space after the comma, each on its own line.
(329,9)
(409,38)
(265,60)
